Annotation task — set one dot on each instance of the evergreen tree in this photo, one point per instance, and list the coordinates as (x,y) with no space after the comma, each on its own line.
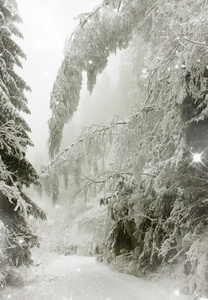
(15,170)
(157,191)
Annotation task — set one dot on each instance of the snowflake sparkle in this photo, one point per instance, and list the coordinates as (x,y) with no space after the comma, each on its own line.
(197,157)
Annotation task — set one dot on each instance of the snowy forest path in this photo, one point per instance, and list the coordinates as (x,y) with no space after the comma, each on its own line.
(82,278)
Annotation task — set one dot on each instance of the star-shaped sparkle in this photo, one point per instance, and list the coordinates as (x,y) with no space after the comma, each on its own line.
(198,158)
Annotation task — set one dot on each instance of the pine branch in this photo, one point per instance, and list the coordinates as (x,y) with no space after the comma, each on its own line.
(88,134)
(33,209)
(192,41)
(145,16)
(87,182)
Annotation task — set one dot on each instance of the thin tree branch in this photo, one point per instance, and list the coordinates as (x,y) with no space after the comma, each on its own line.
(191,41)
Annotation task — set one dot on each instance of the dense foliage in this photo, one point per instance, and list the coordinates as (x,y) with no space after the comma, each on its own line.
(15,170)
(154,190)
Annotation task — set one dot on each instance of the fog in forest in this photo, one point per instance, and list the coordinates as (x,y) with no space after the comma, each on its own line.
(111,201)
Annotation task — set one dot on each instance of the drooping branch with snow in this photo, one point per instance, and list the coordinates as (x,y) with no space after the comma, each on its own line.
(165,212)
(100,33)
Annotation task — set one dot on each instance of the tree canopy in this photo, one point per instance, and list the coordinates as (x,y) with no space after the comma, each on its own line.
(155,192)
(166,27)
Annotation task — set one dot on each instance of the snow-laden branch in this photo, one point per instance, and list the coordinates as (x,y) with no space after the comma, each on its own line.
(192,41)
(103,32)
(11,140)
(90,142)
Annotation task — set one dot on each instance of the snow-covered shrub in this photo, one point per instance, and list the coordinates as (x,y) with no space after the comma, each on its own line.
(72,228)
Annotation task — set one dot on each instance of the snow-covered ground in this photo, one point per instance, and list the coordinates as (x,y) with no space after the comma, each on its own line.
(82,278)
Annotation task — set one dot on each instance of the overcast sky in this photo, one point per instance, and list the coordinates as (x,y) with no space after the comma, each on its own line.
(46,25)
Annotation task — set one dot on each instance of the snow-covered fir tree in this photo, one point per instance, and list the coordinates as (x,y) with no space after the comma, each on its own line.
(15,170)
(157,189)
